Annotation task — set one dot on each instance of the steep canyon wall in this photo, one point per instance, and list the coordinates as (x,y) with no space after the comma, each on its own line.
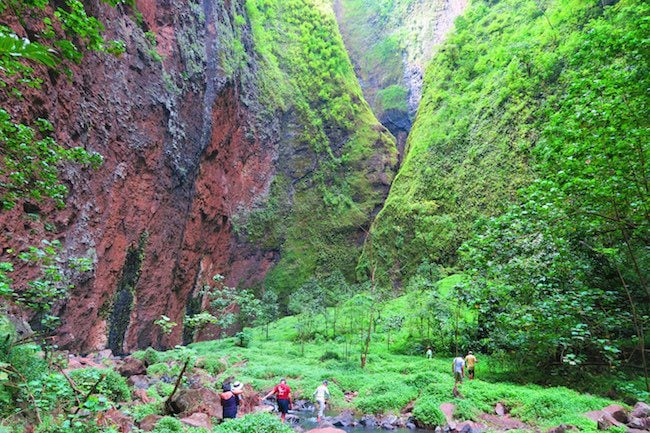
(210,164)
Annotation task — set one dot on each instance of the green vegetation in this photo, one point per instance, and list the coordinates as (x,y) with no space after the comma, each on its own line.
(496,83)
(338,158)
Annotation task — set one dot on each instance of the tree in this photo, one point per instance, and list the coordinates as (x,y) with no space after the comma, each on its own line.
(269,310)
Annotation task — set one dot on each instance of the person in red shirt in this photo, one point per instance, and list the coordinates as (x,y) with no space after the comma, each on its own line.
(283,392)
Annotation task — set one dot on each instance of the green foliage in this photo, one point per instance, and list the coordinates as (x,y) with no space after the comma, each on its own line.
(259,423)
(327,189)
(393,97)
(112,386)
(427,412)
(168,424)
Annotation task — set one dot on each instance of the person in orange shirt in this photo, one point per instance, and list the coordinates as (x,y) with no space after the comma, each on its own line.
(470,361)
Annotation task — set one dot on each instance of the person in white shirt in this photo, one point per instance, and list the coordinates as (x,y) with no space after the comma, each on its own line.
(322,394)
(458,368)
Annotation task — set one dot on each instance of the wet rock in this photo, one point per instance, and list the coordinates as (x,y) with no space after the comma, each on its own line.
(198,420)
(641,410)
(189,401)
(149,422)
(132,367)
(617,412)
(410,425)
(368,421)
(292,419)
(303,405)
(344,419)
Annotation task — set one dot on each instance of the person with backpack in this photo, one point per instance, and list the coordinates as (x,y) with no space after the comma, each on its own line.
(283,393)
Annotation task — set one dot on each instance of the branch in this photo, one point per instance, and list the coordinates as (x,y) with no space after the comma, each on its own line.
(77,391)
(92,389)
(167,404)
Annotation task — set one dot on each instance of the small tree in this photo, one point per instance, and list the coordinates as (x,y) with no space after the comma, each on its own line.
(269,310)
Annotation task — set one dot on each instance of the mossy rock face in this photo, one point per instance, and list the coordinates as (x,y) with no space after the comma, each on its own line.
(335,160)
(489,96)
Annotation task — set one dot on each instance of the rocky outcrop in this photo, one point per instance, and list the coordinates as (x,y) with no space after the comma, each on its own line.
(191,147)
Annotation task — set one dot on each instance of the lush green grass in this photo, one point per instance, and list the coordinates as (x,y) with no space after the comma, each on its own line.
(390,381)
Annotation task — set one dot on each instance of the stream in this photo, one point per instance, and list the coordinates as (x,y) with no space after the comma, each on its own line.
(307,420)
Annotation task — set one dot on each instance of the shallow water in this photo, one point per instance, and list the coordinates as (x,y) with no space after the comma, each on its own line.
(308,421)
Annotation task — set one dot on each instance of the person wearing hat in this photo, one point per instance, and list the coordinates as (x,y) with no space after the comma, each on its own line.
(322,394)
(470,361)
(230,399)
(283,392)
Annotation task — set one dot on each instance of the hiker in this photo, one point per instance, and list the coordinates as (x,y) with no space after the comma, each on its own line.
(429,352)
(322,394)
(458,368)
(283,392)
(230,399)
(470,361)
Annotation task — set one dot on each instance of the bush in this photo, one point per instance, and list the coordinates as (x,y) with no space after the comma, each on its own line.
(427,412)
(212,364)
(142,410)
(258,423)
(149,356)
(113,386)
(329,355)
(168,425)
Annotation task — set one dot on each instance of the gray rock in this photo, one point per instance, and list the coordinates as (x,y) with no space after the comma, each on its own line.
(641,410)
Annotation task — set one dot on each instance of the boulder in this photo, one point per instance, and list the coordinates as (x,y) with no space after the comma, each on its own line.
(368,421)
(641,410)
(189,401)
(198,419)
(617,412)
(500,409)
(114,417)
(467,427)
(141,394)
(141,381)
(344,419)
(448,410)
(149,422)
(410,425)
(132,367)
(606,421)
(249,400)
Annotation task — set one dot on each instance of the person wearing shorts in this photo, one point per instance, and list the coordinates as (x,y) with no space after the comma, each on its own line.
(470,361)
(283,394)
(458,368)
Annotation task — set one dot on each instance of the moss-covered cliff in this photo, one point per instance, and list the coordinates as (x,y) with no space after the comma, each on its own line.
(390,43)
(489,95)
(335,161)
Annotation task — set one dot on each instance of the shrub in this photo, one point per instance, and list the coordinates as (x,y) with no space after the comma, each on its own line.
(212,364)
(149,356)
(168,425)
(113,386)
(329,355)
(258,423)
(427,412)
(142,410)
